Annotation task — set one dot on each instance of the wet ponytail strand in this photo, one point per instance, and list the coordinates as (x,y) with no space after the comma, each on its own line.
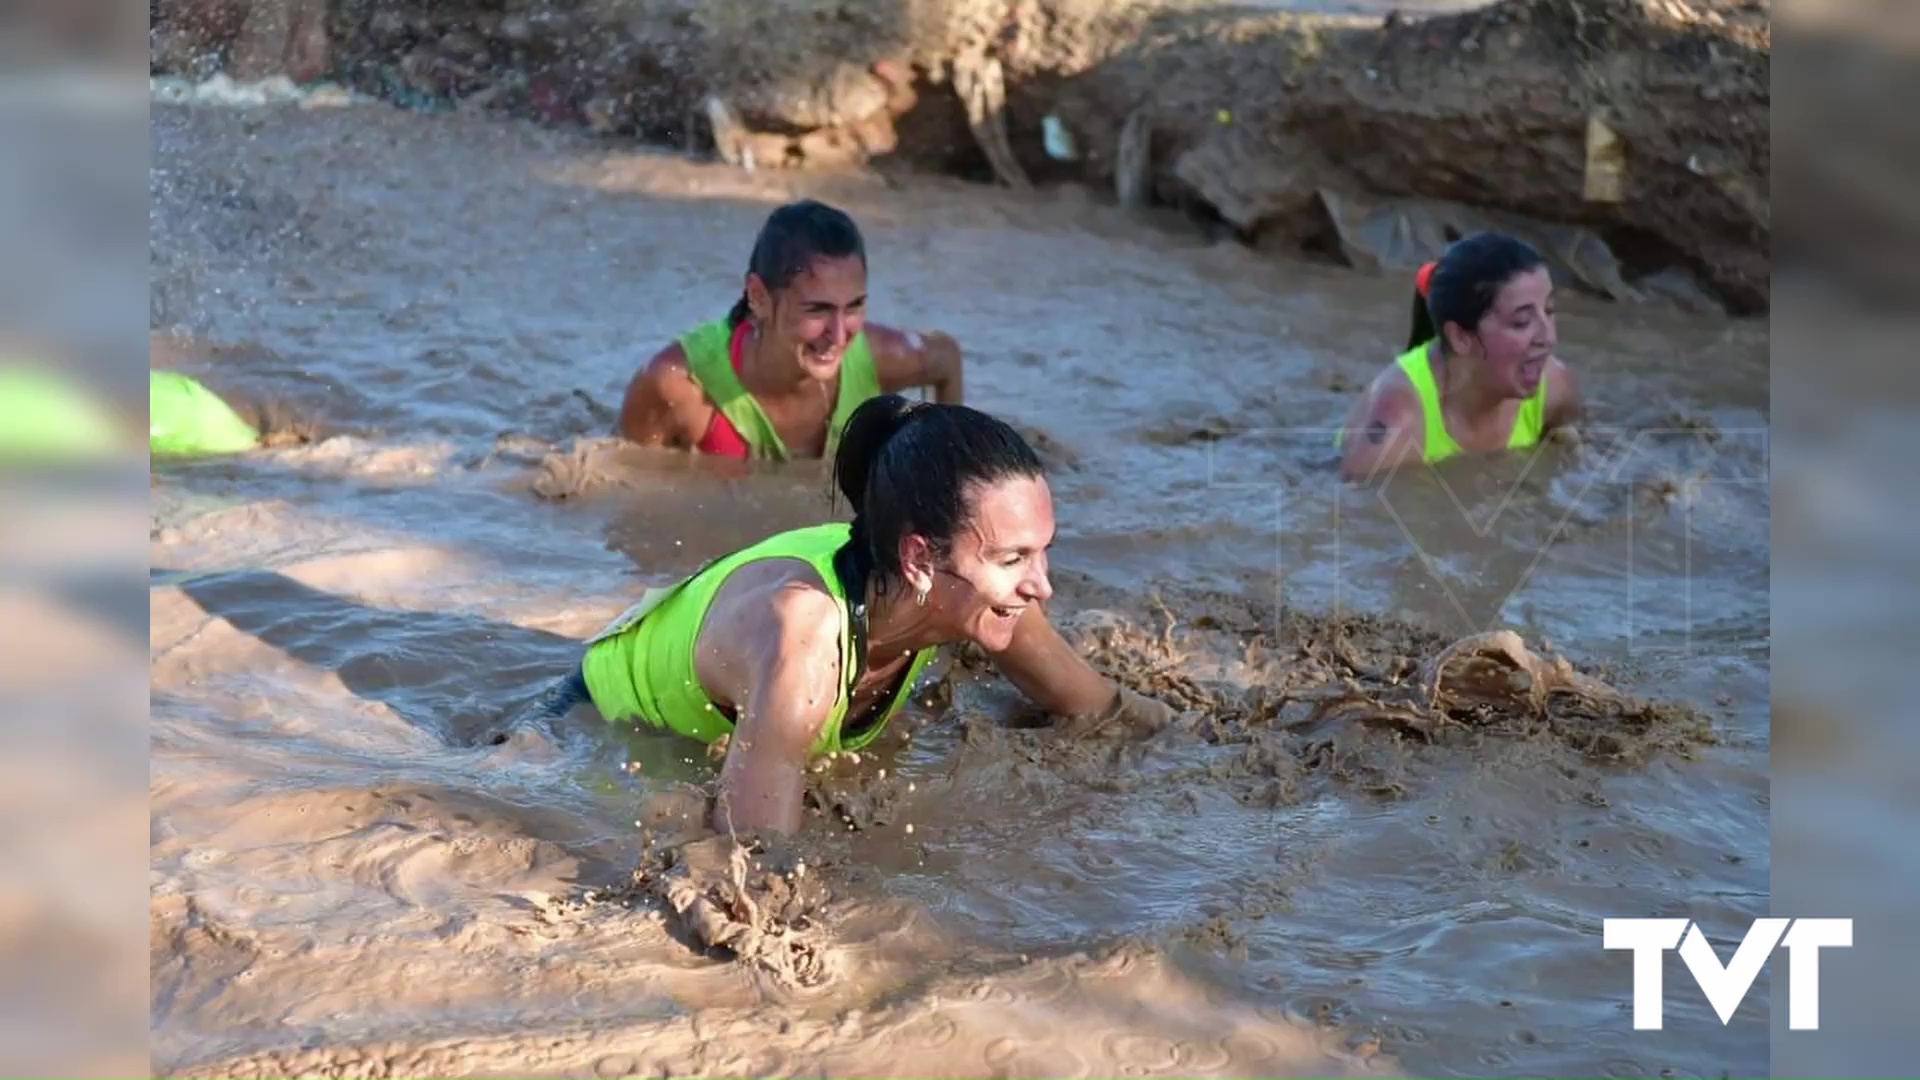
(861,442)
(1423,329)
(1422,324)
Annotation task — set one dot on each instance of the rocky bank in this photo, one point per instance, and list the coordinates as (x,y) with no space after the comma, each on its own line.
(1628,138)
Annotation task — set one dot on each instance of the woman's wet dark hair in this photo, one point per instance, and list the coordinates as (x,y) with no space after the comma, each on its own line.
(905,466)
(1466,281)
(794,235)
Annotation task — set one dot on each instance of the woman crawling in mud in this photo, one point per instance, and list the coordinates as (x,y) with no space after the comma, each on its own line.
(780,375)
(811,640)
(1479,374)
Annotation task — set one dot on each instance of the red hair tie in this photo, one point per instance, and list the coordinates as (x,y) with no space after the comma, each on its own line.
(1424,279)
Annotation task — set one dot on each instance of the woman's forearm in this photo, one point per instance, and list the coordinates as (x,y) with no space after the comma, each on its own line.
(950,365)
(1050,672)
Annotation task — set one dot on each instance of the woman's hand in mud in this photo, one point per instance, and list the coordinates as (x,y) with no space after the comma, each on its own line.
(1130,714)
(748,897)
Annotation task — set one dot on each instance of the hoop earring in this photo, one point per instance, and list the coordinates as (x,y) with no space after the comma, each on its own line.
(920,598)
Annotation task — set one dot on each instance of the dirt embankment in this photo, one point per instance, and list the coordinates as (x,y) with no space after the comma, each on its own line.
(1629,138)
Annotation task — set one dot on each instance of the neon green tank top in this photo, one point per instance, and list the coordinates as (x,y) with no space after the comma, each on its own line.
(186,418)
(641,667)
(710,362)
(1528,425)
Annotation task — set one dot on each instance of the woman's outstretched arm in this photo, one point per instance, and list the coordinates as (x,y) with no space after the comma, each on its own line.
(1058,679)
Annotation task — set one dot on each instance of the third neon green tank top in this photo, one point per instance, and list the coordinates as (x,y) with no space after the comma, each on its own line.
(185,418)
(710,362)
(1528,425)
(642,666)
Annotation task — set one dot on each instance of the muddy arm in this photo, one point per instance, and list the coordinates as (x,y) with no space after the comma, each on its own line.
(904,359)
(1048,670)
(790,680)
(1058,679)
(1387,433)
(663,405)
(1564,406)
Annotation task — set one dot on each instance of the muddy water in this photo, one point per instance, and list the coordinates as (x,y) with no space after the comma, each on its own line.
(349,875)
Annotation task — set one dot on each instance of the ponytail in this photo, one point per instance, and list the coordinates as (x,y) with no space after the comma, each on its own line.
(741,309)
(1423,330)
(866,434)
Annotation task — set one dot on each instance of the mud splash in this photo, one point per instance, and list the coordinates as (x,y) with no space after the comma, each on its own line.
(772,920)
(1343,673)
(1342,703)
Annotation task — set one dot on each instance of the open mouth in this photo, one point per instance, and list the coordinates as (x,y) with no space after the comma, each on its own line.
(1008,613)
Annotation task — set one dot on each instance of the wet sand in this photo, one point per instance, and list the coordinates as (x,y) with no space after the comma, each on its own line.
(349,878)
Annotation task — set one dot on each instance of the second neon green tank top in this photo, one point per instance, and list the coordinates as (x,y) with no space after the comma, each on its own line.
(642,666)
(1528,425)
(186,418)
(710,362)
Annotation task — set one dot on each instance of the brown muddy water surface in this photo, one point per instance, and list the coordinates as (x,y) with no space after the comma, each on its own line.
(349,878)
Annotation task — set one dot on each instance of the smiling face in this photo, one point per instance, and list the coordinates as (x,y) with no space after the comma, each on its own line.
(1517,336)
(995,567)
(814,316)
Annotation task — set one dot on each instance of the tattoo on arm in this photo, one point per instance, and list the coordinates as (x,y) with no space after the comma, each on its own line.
(1377,432)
